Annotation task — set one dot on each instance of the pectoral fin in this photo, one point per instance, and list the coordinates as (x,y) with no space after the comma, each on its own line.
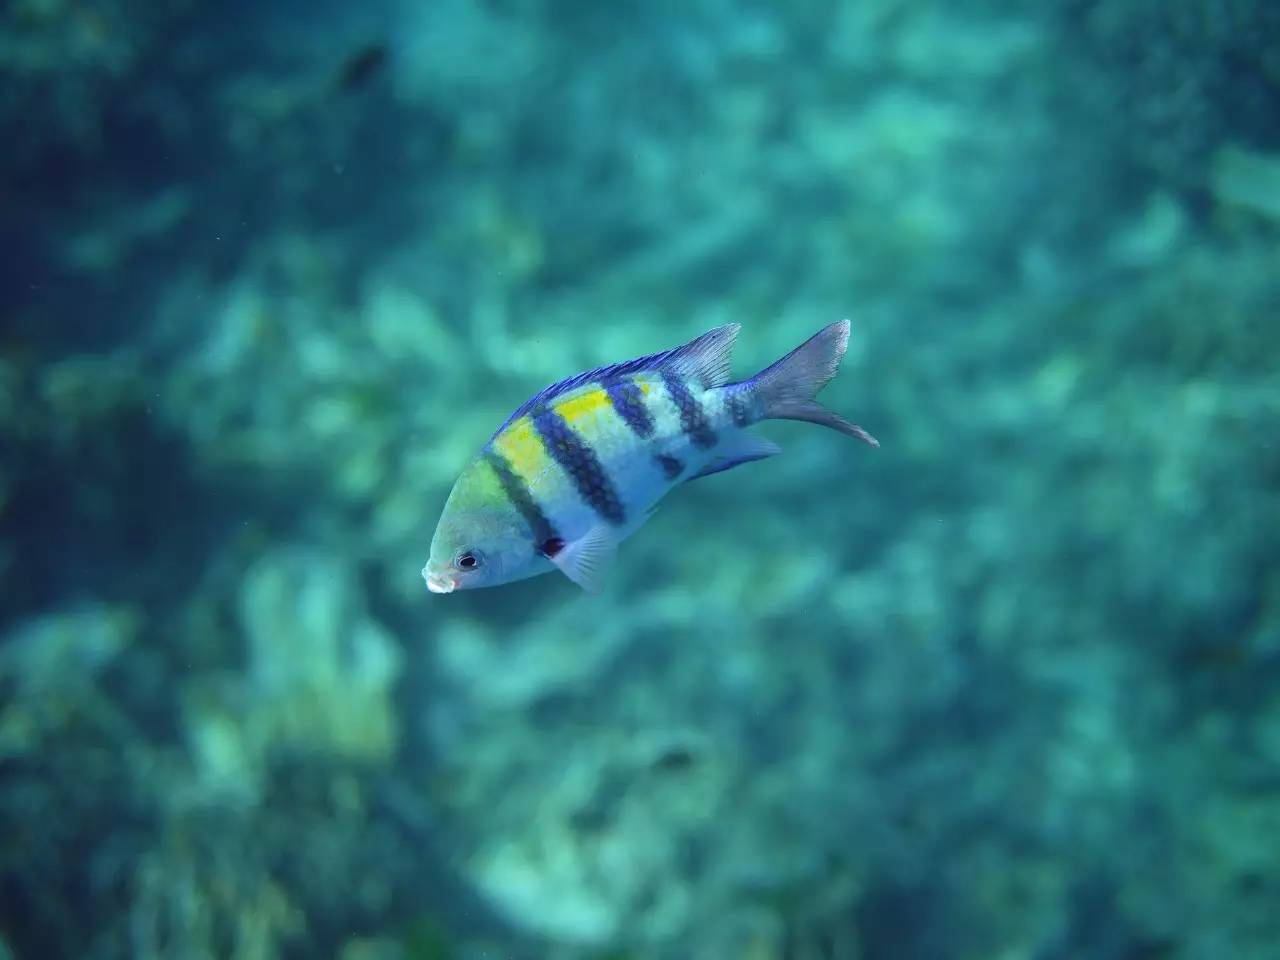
(586,560)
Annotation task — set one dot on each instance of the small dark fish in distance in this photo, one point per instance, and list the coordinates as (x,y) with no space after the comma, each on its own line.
(362,66)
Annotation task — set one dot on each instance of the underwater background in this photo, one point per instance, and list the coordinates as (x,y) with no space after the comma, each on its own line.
(1007,687)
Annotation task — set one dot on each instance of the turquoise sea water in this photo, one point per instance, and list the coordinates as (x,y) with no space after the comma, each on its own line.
(1007,687)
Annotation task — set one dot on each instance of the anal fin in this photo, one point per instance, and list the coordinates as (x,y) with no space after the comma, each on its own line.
(737,449)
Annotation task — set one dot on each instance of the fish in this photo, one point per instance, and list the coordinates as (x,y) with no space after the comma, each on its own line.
(361,66)
(581,465)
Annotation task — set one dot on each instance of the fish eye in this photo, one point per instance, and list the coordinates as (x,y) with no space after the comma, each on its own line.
(467,560)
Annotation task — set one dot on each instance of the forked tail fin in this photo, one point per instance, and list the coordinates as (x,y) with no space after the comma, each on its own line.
(786,389)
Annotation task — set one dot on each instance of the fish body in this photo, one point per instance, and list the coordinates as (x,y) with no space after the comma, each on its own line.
(579,467)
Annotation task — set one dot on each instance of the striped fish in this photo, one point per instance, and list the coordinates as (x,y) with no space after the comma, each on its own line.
(579,467)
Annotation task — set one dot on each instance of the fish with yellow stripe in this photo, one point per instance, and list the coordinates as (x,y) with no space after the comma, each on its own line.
(578,467)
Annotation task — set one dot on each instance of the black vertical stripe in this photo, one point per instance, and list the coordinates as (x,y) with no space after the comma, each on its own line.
(739,408)
(671,467)
(581,463)
(693,419)
(628,399)
(521,498)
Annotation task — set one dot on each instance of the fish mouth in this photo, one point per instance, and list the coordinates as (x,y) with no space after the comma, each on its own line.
(438,582)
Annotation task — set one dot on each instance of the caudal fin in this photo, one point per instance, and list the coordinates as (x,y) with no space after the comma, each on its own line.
(786,389)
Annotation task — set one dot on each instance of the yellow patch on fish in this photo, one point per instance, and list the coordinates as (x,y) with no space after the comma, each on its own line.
(584,405)
(591,402)
(523,449)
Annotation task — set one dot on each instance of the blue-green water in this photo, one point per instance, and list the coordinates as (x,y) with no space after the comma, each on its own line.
(1007,687)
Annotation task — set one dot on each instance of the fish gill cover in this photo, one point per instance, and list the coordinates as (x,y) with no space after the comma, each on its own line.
(1007,686)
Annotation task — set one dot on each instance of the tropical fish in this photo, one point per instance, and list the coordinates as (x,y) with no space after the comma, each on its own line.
(361,66)
(579,467)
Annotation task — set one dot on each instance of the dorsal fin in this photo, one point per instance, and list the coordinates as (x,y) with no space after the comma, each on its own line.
(705,359)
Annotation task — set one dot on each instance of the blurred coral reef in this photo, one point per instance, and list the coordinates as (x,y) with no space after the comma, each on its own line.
(1006,687)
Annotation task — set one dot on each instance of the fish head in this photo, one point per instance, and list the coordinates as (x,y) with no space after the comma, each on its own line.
(481,539)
